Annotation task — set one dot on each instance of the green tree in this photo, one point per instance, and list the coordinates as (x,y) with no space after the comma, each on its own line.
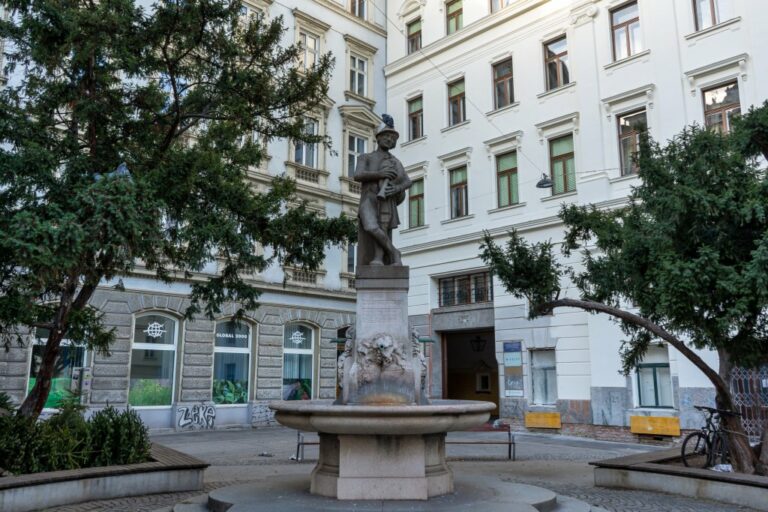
(186,94)
(690,252)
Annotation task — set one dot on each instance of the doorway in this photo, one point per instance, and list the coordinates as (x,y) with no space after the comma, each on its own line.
(470,370)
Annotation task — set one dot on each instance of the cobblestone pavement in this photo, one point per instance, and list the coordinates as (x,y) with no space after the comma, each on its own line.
(555,462)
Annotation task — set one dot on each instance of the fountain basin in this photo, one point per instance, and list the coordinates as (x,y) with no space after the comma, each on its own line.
(375,452)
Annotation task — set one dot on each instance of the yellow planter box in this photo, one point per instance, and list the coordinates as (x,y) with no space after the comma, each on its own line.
(542,420)
(654,425)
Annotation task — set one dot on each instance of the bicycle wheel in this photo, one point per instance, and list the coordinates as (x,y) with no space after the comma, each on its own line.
(720,453)
(695,451)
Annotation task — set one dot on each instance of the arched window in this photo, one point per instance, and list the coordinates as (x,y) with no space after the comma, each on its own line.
(231,362)
(153,361)
(71,359)
(298,362)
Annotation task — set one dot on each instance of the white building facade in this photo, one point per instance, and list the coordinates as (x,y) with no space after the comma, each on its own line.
(489,95)
(200,374)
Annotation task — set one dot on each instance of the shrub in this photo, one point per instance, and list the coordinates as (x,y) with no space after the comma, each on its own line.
(68,441)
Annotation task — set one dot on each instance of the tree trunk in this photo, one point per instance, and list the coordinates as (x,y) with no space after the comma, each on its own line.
(743,458)
(35,402)
(764,450)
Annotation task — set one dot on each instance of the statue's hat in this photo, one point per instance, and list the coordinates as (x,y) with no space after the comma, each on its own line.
(387,125)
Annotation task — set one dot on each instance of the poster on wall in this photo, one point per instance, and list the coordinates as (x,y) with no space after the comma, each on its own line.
(513,368)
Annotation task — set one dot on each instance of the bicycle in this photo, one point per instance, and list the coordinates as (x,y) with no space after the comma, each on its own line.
(708,446)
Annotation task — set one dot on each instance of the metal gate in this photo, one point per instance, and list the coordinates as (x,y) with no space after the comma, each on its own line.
(749,388)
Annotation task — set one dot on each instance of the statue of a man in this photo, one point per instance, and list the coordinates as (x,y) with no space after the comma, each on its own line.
(384,183)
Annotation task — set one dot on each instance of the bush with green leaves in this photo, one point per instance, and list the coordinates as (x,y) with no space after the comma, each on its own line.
(68,441)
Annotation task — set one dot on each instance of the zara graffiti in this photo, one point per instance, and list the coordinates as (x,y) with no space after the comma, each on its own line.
(202,416)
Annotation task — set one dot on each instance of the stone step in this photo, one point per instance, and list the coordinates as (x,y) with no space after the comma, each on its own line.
(540,498)
(190,507)
(568,504)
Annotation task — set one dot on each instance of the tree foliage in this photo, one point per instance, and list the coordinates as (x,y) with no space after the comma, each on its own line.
(186,94)
(689,252)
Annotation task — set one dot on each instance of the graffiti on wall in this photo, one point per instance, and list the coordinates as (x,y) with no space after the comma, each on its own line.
(196,417)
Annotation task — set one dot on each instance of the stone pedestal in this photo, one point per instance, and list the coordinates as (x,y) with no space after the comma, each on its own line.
(381,366)
(379,467)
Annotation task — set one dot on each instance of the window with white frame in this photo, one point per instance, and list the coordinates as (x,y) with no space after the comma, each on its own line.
(356,146)
(358,74)
(654,382)
(231,362)
(497,5)
(298,362)
(544,377)
(305,153)
(153,360)
(72,355)
(625,30)
(351,257)
(631,127)
(708,13)
(310,49)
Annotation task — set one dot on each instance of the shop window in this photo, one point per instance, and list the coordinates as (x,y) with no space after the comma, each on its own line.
(153,361)
(298,362)
(72,356)
(231,362)
(544,376)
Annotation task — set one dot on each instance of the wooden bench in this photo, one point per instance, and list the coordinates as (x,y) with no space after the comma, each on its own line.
(494,427)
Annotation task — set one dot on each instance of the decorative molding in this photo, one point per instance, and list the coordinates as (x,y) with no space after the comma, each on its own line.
(417,170)
(584,13)
(359,114)
(568,123)
(455,158)
(310,21)
(640,56)
(455,126)
(570,86)
(334,6)
(610,103)
(503,143)
(410,7)
(694,36)
(360,46)
(737,61)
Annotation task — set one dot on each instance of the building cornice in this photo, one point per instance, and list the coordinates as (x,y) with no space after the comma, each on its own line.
(335,7)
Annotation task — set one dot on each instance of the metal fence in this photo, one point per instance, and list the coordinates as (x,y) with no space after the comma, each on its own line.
(749,388)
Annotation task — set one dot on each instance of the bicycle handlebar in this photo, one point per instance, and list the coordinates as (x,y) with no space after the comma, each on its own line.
(713,410)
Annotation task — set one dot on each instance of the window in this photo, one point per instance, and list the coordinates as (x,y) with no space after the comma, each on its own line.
(310,49)
(305,153)
(562,164)
(298,362)
(356,146)
(72,355)
(414,36)
(625,27)
(456,103)
(711,12)
(454,16)
(351,258)
(503,89)
(506,179)
(721,104)
(153,361)
(358,74)
(459,206)
(415,118)
(416,204)
(654,382)
(556,61)
(544,376)
(231,358)
(497,5)
(631,126)
(357,7)
(466,289)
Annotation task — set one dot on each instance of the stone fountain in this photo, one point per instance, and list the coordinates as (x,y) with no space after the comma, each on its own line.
(382,439)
